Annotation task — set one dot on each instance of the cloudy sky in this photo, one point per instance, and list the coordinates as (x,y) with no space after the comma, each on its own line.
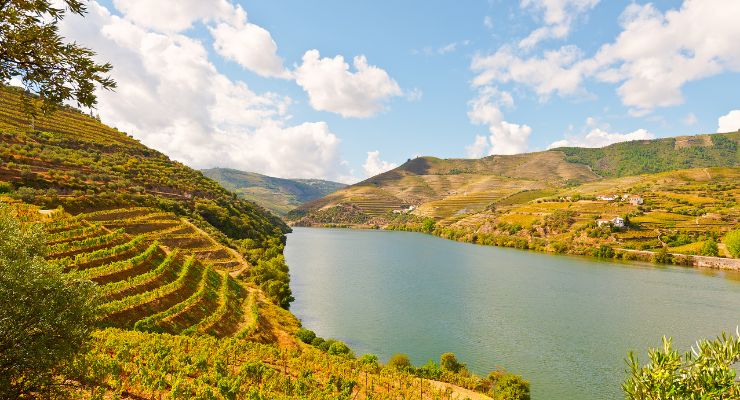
(344,90)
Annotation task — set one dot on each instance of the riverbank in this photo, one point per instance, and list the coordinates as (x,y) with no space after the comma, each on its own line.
(599,251)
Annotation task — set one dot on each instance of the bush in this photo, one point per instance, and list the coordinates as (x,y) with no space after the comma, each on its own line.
(5,187)
(305,335)
(662,257)
(732,241)
(370,360)
(449,362)
(604,251)
(430,370)
(338,348)
(704,373)
(510,387)
(710,248)
(400,361)
(46,317)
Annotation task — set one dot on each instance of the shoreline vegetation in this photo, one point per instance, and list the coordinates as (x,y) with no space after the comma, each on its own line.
(601,253)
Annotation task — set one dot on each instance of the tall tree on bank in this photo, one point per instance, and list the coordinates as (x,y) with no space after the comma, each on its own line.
(32,50)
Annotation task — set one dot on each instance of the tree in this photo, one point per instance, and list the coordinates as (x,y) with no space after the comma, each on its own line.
(45,317)
(703,373)
(710,248)
(508,386)
(32,49)
(399,361)
(449,362)
(732,241)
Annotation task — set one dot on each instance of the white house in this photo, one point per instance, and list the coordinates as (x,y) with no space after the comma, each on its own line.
(618,222)
(636,200)
(610,197)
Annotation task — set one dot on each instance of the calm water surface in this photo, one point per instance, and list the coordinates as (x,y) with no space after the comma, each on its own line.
(565,323)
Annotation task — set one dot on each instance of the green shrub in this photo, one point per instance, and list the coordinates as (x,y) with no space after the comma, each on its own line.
(449,362)
(710,248)
(317,342)
(400,361)
(662,256)
(305,335)
(704,373)
(45,318)
(732,241)
(604,251)
(370,360)
(338,348)
(6,187)
(430,370)
(506,386)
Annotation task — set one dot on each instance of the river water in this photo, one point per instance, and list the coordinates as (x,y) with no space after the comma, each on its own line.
(564,323)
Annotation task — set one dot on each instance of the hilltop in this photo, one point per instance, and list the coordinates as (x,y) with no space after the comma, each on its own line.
(687,189)
(278,195)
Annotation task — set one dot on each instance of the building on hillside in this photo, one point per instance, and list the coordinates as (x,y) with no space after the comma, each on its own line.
(635,200)
(405,209)
(617,221)
(609,197)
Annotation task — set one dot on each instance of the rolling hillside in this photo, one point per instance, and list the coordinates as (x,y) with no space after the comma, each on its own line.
(687,186)
(275,194)
(191,282)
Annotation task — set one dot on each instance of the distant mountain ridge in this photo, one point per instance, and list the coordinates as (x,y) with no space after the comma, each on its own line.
(278,195)
(444,188)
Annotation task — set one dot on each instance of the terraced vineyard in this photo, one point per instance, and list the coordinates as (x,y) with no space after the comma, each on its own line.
(155,271)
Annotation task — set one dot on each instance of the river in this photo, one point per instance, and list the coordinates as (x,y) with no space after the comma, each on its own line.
(564,323)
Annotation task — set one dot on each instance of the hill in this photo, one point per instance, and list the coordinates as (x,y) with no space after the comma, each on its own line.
(686,186)
(191,281)
(275,194)
(440,188)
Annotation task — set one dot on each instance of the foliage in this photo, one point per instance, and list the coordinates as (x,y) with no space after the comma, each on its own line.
(32,50)
(427,226)
(400,361)
(509,387)
(272,276)
(449,362)
(644,157)
(732,241)
(305,335)
(604,251)
(704,373)
(710,248)
(662,256)
(45,317)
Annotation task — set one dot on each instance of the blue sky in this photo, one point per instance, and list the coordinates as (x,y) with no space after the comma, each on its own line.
(511,76)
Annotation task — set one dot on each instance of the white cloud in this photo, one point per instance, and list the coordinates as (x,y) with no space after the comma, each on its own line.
(479,148)
(234,38)
(651,59)
(598,137)
(553,72)
(657,53)
(558,16)
(172,15)
(251,46)
(505,137)
(172,98)
(729,122)
(374,165)
(331,86)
